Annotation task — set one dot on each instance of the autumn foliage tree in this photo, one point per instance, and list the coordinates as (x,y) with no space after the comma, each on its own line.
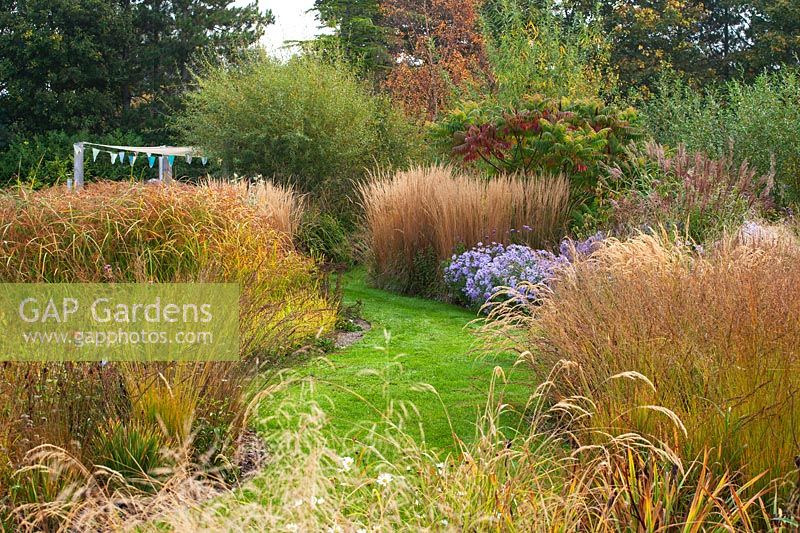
(438,50)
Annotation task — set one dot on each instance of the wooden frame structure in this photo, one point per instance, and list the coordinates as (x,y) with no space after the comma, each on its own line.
(164,154)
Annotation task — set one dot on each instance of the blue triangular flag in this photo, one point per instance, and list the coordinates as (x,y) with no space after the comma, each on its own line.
(189,159)
(151,159)
(171,160)
(204,160)
(132,159)
(95,151)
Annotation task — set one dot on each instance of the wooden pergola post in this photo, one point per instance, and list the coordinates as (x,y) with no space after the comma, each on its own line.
(164,170)
(77,166)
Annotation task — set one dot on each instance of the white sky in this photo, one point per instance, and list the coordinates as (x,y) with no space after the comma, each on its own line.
(292,22)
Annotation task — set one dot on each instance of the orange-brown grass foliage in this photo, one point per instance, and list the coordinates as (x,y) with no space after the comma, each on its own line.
(530,475)
(418,218)
(281,206)
(716,334)
(122,232)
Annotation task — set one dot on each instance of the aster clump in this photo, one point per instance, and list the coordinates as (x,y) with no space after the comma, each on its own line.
(483,274)
(573,250)
(476,276)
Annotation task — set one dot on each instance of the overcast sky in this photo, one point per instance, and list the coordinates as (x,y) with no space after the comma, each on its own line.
(292,22)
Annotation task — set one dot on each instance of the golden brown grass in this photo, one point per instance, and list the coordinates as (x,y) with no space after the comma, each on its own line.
(122,232)
(764,235)
(531,477)
(428,213)
(718,336)
(281,206)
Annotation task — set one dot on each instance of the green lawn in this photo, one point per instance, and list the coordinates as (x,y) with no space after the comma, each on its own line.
(413,341)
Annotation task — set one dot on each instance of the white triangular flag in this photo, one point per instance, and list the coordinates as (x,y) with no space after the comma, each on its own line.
(95,151)
(204,161)
(189,159)
(113,157)
(122,157)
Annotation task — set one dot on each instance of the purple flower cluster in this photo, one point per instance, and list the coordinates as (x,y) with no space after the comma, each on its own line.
(476,275)
(574,249)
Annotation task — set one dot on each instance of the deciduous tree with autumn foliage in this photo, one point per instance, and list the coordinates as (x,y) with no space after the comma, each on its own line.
(438,50)
(421,52)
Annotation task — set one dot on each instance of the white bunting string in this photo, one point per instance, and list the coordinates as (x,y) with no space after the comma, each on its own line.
(152,153)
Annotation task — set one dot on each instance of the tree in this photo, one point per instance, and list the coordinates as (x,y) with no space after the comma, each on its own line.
(358,33)
(703,40)
(437,48)
(533,48)
(775,33)
(651,35)
(96,65)
(170,34)
(723,36)
(59,63)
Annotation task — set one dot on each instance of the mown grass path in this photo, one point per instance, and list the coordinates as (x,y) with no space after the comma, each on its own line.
(413,341)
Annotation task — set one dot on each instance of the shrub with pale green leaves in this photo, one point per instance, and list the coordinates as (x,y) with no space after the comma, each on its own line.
(306,122)
(532,50)
(760,121)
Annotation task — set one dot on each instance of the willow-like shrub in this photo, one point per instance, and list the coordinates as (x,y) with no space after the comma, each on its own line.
(305,122)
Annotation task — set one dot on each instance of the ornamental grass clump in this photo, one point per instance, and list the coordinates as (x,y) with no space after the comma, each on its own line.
(281,205)
(716,332)
(692,193)
(111,415)
(416,219)
(531,474)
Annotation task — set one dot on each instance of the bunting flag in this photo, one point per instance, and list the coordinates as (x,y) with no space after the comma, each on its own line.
(155,154)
